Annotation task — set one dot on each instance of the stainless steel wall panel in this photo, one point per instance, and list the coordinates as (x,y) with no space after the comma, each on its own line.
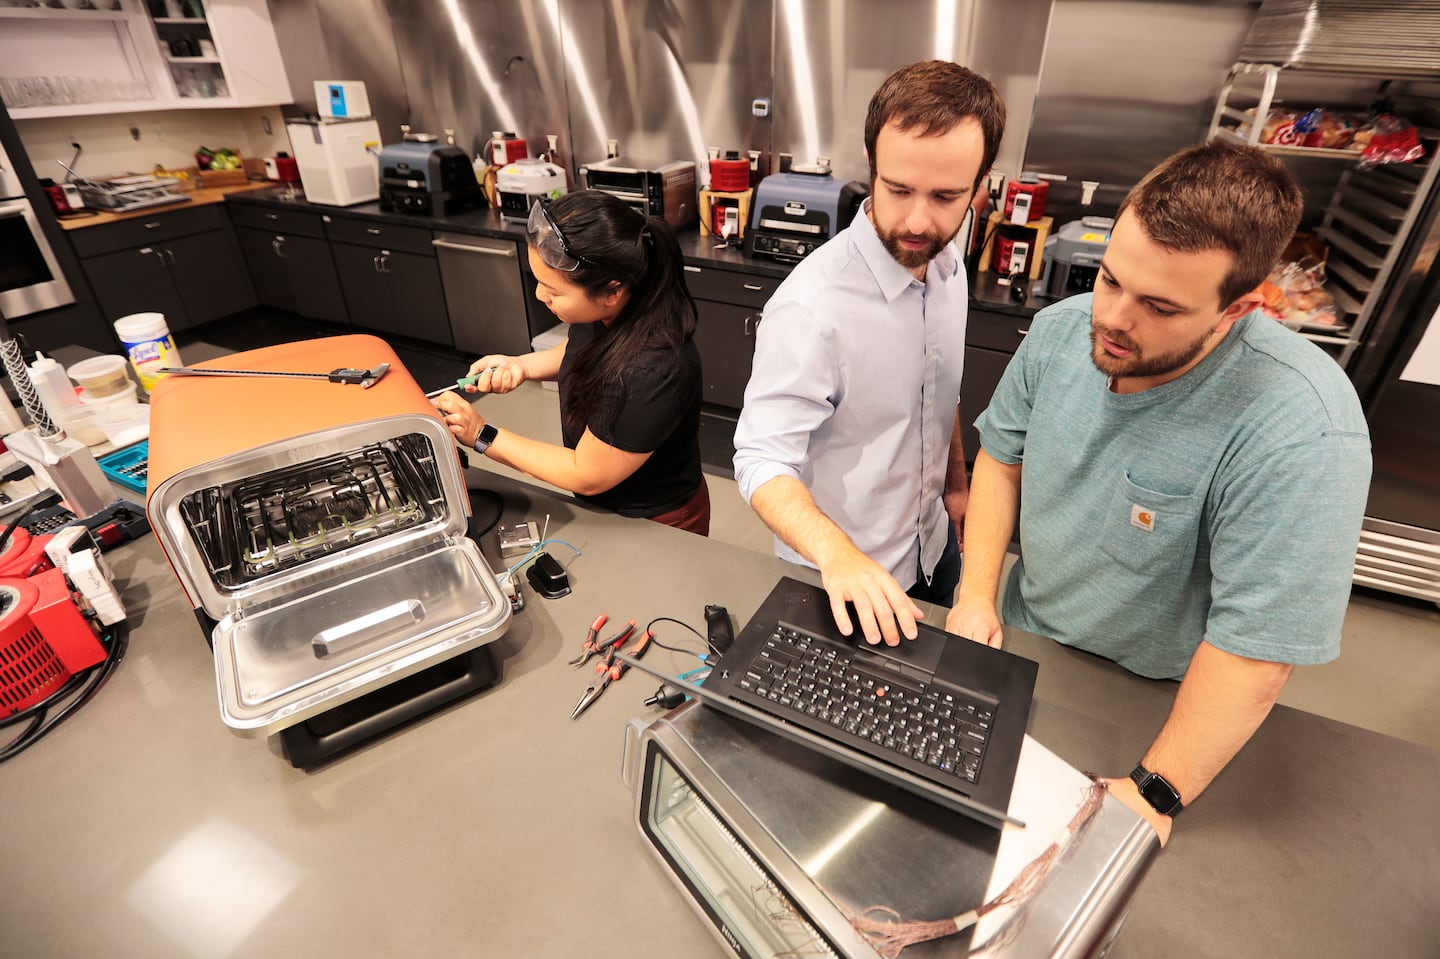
(1125,83)
(476,66)
(665,78)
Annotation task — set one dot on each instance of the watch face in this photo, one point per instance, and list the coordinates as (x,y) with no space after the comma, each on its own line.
(1158,793)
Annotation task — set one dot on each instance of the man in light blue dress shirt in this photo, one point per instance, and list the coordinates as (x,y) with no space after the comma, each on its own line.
(849,446)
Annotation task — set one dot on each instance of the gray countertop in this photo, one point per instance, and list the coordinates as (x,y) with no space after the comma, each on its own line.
(499,827)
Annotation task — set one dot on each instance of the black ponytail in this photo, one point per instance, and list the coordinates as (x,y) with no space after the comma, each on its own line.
(642,254)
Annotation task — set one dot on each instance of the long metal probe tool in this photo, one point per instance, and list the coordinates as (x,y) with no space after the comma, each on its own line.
(366,378)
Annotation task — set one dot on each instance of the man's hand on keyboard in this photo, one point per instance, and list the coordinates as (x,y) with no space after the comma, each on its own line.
(881,606)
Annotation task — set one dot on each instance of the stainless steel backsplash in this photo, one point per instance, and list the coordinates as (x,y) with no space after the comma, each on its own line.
(1096,89)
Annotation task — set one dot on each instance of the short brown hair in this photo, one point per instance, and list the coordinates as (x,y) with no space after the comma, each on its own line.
(1221,196)
(936,96)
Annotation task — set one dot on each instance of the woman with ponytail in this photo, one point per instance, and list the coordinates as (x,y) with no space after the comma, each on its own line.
(629,373)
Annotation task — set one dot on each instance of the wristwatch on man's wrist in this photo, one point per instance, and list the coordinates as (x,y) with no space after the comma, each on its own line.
(1157,791)
(487,435)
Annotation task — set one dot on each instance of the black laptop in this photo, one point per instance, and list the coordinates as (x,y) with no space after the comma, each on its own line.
(939,708)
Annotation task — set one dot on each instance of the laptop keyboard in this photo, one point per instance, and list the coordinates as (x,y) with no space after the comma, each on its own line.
(939,726)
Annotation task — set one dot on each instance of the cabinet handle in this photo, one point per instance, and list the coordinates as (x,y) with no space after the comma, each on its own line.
(153,225)
(372,231)
(1024,332)
(272,216)
(382,262)
(752,320)
(278,245)
(692,269)
(752,287)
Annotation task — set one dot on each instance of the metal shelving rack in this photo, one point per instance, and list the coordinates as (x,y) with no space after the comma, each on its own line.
(1367,218)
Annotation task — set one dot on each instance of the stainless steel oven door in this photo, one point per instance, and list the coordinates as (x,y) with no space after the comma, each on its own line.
(30,277)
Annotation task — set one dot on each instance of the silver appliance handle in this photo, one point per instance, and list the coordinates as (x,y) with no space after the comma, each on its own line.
(13,209)
(466,248)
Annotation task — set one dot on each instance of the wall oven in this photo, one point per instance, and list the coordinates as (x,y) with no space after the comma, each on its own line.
(31,280)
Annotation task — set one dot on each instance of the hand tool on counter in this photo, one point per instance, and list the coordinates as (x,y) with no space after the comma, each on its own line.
(366,378)
(591,648)
(609,671)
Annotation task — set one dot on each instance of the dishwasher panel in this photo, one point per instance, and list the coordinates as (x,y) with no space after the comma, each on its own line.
(484,292)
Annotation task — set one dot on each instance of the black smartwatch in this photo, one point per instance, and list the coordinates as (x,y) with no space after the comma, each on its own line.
(487,435)
(1157,791)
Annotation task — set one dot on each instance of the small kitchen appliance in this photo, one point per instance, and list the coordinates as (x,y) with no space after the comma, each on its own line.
(1073,255)
(520,183)
(321,538)
(342,99)
(424,176)
(505,147)
(336,159)
(716,803)
(794,213)
(669,191)
(44,639)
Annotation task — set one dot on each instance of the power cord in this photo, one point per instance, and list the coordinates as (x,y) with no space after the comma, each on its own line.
(87,682)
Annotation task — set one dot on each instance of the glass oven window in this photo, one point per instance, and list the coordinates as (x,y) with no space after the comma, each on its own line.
(22,263)
(752,912)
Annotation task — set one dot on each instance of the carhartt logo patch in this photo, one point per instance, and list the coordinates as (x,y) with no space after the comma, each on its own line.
(1142,517)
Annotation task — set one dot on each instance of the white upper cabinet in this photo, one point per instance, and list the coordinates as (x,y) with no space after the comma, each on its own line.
(118,56)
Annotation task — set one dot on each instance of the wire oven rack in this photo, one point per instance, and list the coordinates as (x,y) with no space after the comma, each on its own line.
(285,518)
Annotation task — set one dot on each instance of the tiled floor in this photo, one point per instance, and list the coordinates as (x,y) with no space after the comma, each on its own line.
(1386,679)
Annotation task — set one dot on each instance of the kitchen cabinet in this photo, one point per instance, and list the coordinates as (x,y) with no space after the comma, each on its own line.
(134,55)
(991,339)
(390,278)
(731,305)
(185,264)
(290,262)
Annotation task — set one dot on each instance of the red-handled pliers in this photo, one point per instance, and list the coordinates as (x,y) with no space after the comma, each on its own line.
(609,670)
(589,647)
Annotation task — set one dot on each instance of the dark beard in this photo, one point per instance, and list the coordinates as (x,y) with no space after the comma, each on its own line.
(911,259)
(1138,365)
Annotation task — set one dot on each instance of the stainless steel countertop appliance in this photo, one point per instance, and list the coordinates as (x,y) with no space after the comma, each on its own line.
(520,183)
(670,191)
(783,851)
(321,536)
(31,280)
(795,212)
(1073,254)
(422,175)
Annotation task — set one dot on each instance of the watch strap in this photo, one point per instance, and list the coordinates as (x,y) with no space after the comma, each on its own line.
(487,435)
(1156,790)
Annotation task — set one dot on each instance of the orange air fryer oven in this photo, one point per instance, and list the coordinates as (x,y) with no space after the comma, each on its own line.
(319,530)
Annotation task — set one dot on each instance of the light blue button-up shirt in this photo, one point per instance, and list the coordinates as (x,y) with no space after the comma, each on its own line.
(853,392)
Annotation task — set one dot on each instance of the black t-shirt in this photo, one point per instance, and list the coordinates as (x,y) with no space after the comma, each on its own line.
(656,406)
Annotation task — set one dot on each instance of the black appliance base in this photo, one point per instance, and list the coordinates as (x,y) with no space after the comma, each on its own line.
(324,737)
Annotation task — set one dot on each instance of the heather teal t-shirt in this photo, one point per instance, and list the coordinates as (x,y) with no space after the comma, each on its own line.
(1223,506)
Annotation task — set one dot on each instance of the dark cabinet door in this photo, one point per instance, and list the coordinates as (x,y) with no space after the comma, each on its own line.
(725,337)
(366,288)
(268,271)
(314,285)
(983,369)
(418,297)
(210,276)
(135,281)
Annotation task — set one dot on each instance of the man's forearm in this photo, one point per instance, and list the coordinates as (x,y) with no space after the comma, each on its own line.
(786,506)
(989,523)
(1222,700)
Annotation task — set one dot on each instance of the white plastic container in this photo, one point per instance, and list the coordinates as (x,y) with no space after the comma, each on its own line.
(147,342)
(101,375)
(9,417)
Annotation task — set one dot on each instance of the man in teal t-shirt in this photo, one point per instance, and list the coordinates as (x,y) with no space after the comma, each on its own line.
(1194,473)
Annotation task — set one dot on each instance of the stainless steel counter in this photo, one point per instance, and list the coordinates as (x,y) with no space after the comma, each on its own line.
(498,827)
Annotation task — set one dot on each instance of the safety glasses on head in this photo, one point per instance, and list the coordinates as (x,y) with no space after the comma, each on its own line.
(555,251)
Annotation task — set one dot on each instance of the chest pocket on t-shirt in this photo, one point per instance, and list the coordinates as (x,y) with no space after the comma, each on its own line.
(1145,530)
